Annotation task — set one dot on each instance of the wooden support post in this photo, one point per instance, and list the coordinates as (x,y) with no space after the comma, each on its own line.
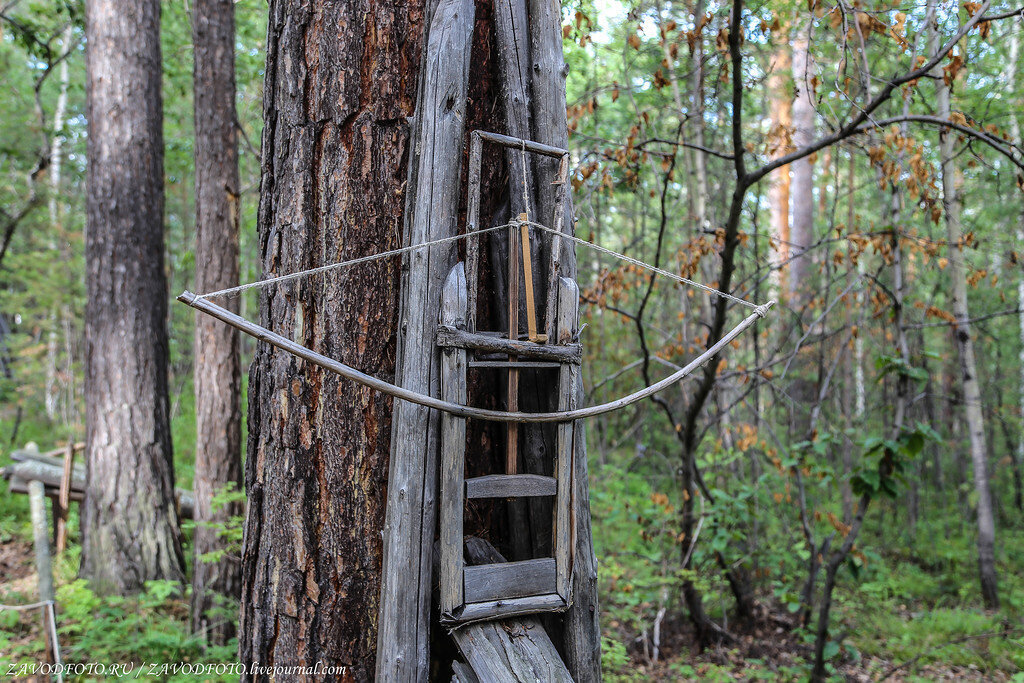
(472,217)
(453,444)
(432,212)
(44,569)
(557,244)
(65,497)
(512,430)
(568,376)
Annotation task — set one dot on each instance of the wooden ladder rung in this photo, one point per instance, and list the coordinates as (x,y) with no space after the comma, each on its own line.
(506,580)
(519,364)
(511,486)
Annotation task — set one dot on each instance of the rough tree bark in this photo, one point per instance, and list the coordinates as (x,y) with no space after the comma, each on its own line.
(129,520)
(217,365)
(340,85)
(972,403)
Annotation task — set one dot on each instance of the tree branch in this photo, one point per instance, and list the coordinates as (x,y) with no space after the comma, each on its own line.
(865,112)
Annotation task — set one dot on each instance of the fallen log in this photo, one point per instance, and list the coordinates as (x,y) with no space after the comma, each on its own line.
(34,469)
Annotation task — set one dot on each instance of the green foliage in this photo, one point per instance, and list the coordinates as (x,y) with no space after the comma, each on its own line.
(229,532)
(152,627)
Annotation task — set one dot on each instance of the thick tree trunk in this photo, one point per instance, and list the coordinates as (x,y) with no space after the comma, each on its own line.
(129,521)
(217,372)
(340,86)
(973,410)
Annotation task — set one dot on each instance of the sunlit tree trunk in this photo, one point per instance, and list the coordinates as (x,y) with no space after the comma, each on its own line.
(130,524)
(973,410)
(216,358)
(802,187)
(780,106)
(53,390)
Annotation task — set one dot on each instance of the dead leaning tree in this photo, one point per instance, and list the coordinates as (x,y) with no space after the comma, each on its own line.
(532,268)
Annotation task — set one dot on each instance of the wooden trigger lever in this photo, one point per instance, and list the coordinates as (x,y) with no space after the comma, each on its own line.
(531,305)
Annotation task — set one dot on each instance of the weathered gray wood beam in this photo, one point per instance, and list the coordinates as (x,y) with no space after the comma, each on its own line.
(20,473)
(511,651)
(411,512)
(453,446)
(519,143)
(509,580)
(564,533)
(567,353)
(510,486)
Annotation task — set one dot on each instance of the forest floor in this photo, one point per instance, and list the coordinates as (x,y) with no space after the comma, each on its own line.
(770,650)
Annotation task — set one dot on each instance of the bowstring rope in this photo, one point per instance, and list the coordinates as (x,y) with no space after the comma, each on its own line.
(761,309)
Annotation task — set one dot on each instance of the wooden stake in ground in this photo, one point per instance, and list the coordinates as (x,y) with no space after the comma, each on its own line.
(65,497)
(44,569)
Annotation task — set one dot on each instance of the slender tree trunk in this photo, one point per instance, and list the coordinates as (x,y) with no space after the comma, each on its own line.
(801,277)
(973,413)
(802,188)
(781,111)
(129,520)
(340,85)
(1018,453)
(217,372)
(54,392)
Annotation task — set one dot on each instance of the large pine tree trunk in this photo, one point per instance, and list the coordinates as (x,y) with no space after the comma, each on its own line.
(217,371)
(129,520)
(340,83)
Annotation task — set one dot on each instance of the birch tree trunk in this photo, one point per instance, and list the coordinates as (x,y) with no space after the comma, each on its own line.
(59,318)
(962,334)
(340,85)
(216,370)
(802,187)
(130,524)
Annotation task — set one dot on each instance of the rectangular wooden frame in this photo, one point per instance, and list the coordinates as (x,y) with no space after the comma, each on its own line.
(477,139)
(512,588)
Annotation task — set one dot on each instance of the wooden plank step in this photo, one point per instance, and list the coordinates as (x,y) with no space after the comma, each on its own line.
(490,582)
(522,365)
(511,486)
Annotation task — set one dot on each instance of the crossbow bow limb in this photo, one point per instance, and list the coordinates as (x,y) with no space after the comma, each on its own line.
(263,334)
